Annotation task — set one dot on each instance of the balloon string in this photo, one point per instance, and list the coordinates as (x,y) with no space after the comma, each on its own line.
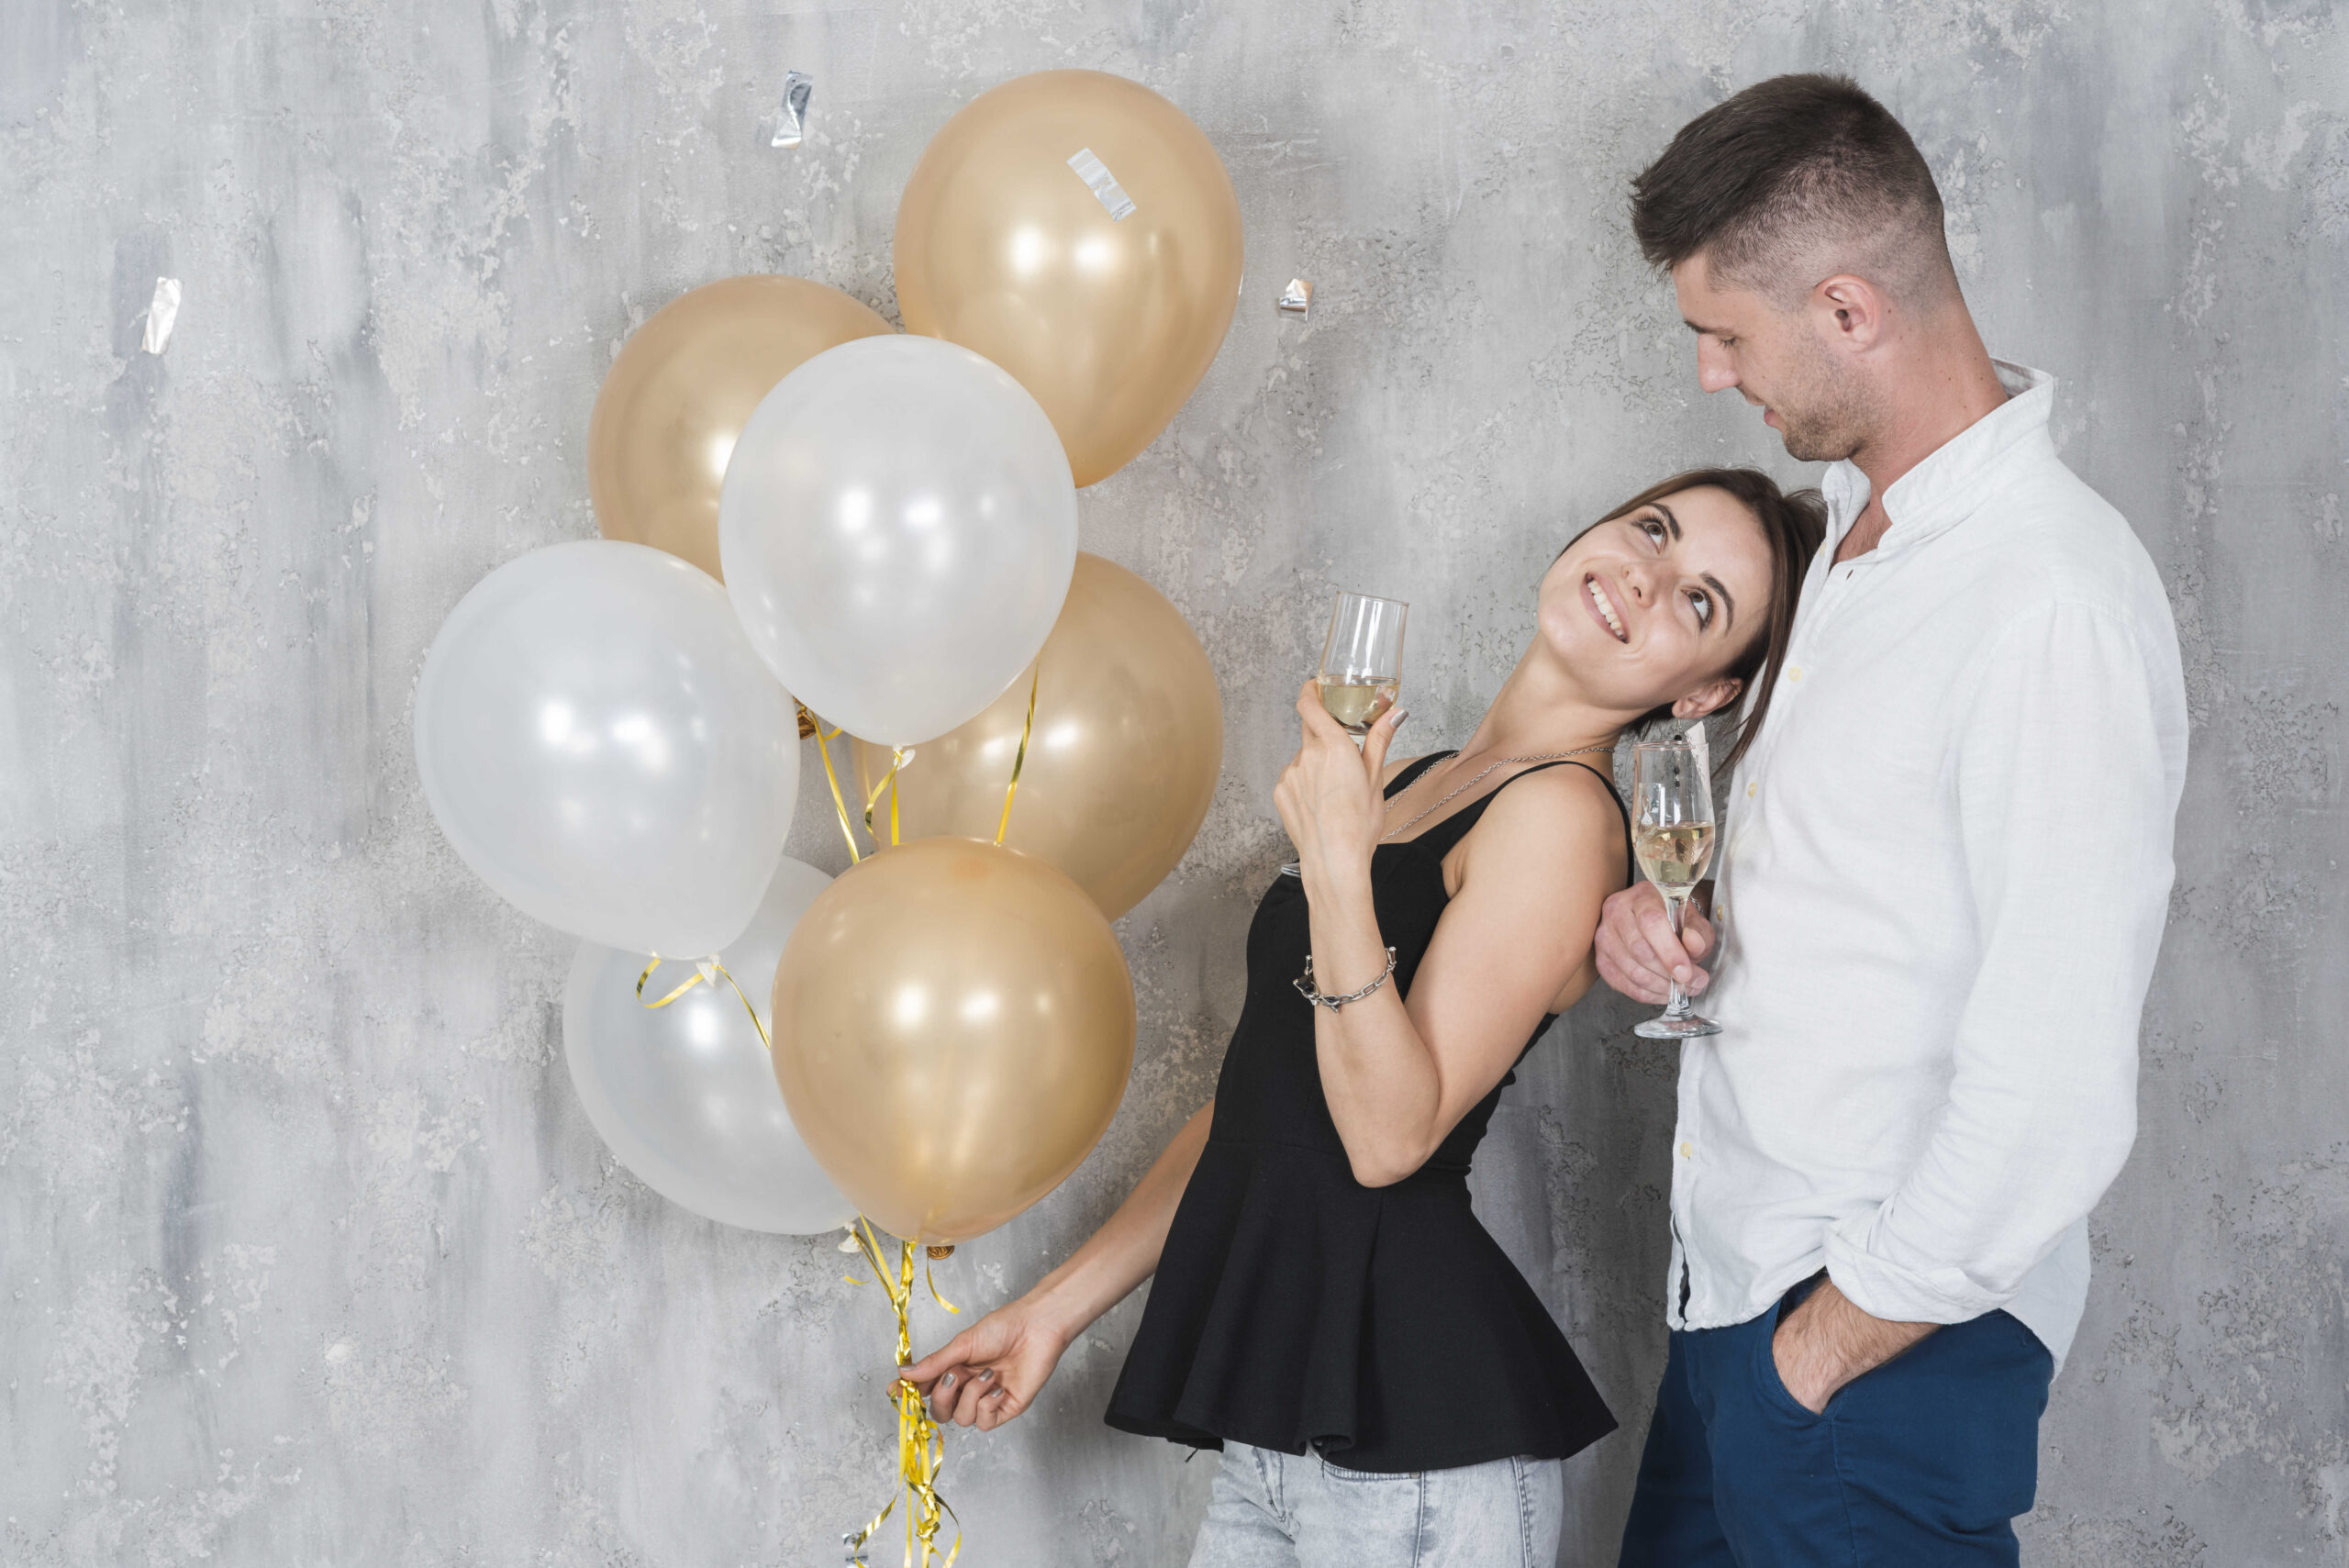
(928,1275)
(898,757)
(921,1446)
(1019,760)
(840,806)
(711,971)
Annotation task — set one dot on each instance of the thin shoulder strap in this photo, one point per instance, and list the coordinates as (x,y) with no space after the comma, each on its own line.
(1411,774)
(1461,821)
(1631,860)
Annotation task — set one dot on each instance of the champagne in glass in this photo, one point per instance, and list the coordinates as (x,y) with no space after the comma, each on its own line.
(1675,858)
(1672,838)
(1361,665)
(1358,705)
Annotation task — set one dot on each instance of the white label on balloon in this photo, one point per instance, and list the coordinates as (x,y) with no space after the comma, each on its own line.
(1096,173)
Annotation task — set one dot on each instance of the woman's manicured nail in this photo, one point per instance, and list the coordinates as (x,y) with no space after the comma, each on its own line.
(946,1382)
(1401,716)
(987,1376)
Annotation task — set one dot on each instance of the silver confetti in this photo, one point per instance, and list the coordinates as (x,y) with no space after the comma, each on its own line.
(792,129)
(162,315)
(1297,299)
(1105,186)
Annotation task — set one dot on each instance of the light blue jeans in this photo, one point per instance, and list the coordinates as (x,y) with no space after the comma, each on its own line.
(1284,1510)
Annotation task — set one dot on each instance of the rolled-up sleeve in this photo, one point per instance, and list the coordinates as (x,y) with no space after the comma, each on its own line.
(2065,807)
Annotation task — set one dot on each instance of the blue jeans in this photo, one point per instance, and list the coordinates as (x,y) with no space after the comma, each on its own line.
(1925,1461)
(1284,1510)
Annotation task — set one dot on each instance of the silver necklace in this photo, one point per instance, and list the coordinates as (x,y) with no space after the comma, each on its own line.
(1472,784)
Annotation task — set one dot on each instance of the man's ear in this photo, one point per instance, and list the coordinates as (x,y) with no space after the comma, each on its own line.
(1710,698)
(1849,311)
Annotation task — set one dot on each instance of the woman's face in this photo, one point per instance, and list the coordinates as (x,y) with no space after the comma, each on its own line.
(1657,604)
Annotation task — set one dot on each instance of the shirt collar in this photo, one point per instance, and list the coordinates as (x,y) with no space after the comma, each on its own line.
(1939,492)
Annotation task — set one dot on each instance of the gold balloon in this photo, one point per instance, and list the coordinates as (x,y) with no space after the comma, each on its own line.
(1127,745)
(954,1025)
(1005,249)
(675,400)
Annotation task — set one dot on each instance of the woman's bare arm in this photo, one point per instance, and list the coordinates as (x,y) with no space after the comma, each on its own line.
(1531,877)
(993,1370)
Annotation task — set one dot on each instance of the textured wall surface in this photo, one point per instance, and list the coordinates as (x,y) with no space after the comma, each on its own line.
(309,1255)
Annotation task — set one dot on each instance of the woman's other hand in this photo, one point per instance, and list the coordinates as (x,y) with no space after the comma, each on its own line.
(1330,795)
(990,1371)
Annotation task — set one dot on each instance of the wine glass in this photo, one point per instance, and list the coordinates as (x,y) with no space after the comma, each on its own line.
(1361,661)
(1672,836)
(1362,666)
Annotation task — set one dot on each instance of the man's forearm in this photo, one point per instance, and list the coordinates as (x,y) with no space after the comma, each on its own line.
(1826,1341)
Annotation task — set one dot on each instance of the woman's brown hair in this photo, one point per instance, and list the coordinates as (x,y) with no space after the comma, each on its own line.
(1793,522)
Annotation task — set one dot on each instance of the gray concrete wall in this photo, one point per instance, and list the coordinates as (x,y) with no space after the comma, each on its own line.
(308,1253)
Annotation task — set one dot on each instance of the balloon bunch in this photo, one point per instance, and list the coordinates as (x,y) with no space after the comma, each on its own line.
(805,512)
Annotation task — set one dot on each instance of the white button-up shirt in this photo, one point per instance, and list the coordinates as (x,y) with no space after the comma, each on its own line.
(1946,872)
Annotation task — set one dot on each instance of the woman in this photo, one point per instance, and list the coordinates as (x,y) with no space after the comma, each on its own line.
(1383,1384)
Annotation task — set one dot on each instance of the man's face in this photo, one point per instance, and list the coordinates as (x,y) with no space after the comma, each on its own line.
(1776,360)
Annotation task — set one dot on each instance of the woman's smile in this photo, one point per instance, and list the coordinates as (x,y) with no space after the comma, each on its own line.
(1603,610)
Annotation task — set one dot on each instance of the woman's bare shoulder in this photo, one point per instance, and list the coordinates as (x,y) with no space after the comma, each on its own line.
(1558,813)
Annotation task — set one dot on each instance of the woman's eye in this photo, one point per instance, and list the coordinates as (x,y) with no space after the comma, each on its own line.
(1704,603)
(1654,529)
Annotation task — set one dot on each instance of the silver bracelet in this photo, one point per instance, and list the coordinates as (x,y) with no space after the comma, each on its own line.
(1307,989)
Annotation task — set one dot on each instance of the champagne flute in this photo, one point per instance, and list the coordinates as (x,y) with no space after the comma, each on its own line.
(1362,666)
(1361,661)
(1672,836)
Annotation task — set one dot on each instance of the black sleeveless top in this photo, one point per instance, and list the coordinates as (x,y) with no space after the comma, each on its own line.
(1295,1307)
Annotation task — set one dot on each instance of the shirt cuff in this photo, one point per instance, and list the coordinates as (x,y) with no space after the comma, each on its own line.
(1899,1292)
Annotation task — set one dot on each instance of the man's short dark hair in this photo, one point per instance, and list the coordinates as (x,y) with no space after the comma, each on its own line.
(1795,175)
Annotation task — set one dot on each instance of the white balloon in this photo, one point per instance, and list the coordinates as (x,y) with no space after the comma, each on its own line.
(685,1094)
(898,527)
(600,743)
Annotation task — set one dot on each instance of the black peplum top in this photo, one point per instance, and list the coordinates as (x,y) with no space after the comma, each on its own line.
(1295,1307)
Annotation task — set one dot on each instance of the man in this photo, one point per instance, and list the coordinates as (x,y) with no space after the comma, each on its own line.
(1942,888)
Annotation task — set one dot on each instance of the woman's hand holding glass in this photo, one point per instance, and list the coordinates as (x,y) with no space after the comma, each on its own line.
(1331,796)
(1362,669)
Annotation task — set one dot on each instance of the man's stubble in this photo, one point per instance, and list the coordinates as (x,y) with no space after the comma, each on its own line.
(1829,411)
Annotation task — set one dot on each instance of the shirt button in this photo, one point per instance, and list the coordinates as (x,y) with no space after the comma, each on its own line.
(1753,787)
(1794,673)
(1687,1149)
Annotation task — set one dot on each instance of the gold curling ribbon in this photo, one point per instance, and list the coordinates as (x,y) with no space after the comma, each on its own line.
(709,971)
(898,757)
(824,749)
(1020,759)
(921,1445)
